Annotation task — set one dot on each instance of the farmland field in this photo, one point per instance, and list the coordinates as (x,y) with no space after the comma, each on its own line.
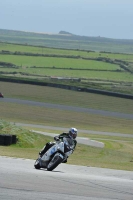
(44,50)
(107,71)
(28,61)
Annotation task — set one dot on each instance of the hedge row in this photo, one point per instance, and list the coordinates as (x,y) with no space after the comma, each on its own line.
(6,140)
(102,59)
(68,87)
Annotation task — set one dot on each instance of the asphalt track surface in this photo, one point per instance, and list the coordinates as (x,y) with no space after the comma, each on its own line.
(71,108)
(19,180)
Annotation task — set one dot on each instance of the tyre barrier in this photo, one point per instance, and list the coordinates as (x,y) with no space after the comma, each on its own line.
(14,139)
(1,139)
(6,139)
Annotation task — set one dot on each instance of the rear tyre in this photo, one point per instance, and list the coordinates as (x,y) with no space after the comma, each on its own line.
(56,160)
(37,164)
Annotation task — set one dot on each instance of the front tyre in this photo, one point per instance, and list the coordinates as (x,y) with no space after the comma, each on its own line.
(56,160)
(37,164)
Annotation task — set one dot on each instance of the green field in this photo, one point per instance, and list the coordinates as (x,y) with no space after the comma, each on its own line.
(73,74)
(28,61)
(112,72)
(66,97)
(44,50)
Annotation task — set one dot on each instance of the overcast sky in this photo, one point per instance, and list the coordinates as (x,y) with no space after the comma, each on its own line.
(105,18)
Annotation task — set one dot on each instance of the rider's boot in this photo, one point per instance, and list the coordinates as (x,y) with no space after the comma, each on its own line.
(45,148)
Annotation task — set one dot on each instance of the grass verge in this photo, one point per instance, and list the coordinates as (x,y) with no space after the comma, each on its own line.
(115,155)
(66,97)
(63,118)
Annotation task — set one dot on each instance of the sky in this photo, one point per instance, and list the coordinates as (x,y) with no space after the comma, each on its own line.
(104,18)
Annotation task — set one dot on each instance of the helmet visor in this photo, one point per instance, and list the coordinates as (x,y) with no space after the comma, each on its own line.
(73,134)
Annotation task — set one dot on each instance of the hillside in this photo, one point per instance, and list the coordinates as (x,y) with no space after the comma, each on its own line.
(67,40)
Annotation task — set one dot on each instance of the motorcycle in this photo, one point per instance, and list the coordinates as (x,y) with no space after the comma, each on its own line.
(54,156)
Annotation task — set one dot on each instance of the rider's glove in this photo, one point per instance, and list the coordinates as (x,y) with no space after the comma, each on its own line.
(56,138)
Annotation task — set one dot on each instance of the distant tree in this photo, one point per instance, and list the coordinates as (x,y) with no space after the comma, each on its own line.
(66,33)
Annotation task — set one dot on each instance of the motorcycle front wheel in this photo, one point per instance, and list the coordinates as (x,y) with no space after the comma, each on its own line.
(37,164)
(56,160)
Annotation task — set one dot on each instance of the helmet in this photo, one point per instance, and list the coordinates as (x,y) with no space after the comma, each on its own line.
(73,132)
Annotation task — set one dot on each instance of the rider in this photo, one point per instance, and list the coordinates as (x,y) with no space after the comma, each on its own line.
(71,139)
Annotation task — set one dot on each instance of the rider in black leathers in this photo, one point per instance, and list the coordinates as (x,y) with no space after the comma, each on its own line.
(71,139)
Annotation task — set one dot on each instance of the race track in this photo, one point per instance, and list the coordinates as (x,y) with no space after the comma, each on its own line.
(20,181)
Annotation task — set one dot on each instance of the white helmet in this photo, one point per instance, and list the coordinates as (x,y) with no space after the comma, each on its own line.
(73,132)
